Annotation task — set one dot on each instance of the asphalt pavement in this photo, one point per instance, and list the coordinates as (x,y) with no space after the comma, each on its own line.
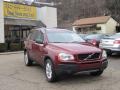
(14,75)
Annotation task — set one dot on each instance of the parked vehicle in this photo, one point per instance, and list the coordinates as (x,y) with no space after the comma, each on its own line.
(63,51)
(111,44)
(83,35)
(95,38)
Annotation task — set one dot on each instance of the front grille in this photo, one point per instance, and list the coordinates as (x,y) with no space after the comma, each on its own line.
(89,56)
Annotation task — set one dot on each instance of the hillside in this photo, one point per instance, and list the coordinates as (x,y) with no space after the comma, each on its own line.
(71,10)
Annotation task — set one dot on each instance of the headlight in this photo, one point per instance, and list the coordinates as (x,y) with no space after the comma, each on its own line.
(65,57)
(104,54)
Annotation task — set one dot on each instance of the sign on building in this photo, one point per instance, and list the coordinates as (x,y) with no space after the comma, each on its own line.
(19,11)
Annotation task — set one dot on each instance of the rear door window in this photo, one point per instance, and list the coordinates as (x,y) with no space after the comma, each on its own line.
(39,37)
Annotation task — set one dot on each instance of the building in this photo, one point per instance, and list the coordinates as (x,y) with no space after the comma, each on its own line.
(16,20)
(102,24)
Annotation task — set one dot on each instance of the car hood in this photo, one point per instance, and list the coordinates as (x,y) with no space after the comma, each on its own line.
(74,48)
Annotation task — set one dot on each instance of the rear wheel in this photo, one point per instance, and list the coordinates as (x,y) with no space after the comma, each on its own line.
(49,71)
(96,73)
(27,60)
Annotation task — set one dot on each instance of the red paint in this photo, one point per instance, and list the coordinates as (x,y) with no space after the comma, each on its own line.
(38,52)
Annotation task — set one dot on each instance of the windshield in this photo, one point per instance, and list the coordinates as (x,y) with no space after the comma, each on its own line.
(64,37)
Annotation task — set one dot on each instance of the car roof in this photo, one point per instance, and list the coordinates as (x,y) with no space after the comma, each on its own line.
(52,30)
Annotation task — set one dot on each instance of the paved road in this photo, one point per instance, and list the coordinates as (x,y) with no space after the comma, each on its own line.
(14,75)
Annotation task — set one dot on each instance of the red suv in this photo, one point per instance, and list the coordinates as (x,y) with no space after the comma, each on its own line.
(63,51)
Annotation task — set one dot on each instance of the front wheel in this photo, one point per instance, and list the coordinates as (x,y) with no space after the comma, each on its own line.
(49,71)
(96,73)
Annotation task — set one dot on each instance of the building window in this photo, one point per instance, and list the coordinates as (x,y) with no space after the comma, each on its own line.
(98,28)
(79,29)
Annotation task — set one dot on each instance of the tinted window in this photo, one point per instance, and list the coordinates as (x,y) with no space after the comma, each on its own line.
(36,36)
(32,35)
(39,37)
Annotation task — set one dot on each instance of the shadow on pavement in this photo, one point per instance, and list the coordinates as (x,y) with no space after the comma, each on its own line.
(80,77)
(115,56)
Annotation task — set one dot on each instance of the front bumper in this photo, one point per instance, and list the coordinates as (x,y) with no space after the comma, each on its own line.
(74,68)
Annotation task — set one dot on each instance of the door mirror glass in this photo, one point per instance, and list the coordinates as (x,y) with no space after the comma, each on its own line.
(39,41)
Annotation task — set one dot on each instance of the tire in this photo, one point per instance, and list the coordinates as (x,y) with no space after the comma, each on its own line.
(109,53)
(97,73)
(49,71)
(27,60)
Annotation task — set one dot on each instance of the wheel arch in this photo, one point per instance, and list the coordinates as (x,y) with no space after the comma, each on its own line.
(47,57)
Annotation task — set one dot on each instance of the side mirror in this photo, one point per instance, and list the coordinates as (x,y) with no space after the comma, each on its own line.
(39,41)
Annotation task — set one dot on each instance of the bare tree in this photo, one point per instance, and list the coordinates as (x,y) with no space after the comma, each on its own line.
(71,10)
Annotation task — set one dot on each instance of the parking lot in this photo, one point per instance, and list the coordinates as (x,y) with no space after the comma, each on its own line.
(14,75)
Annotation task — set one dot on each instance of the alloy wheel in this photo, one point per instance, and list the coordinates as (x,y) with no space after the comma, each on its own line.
(49,70)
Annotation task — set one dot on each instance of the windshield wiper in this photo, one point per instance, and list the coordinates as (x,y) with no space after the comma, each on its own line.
(75,42)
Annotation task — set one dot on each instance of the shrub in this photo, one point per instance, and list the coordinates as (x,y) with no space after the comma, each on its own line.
(3,47)
(15,47)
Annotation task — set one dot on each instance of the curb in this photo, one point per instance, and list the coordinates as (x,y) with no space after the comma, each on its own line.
(8,53)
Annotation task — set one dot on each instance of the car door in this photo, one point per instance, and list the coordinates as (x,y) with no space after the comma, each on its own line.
(39,46)
(31,43)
